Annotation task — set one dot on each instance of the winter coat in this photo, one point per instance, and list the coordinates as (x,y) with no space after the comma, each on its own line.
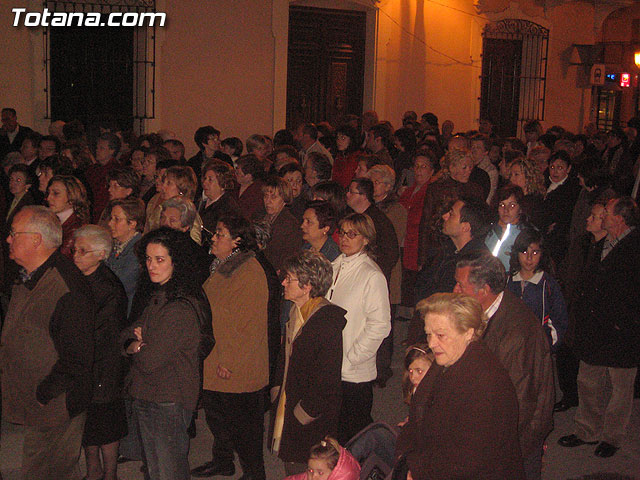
(544,297)
(398,216)
(347,468)
(463,422)
(387,249)
(46,354)
(286,239)
(238,294)
(167,367)
(111,319)
(516,337)
(413,202)
(126,267)
(361,289)
(312,382)
(607,330)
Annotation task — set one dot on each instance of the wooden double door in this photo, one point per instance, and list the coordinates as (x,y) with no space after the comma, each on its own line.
(325,68)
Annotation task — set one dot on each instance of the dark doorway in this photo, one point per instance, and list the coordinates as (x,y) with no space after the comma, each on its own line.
(325,69)
(91,76)
(499,100)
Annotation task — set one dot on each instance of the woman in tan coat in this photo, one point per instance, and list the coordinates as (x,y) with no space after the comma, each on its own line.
(237,369)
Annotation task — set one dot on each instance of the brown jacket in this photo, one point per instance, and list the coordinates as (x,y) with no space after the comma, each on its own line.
(166,369)
(286,239)
(398,216)
(463,422)
(516,337)
(47,346)
(238,295)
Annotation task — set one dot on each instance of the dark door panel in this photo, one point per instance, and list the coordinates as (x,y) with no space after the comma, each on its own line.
(500,89)
(325,71)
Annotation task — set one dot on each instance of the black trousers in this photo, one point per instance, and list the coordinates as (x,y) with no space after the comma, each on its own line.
(355,413)
(567,366)
(385,355)
(236,421)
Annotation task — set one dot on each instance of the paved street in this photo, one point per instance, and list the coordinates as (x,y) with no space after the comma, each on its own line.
(559,462)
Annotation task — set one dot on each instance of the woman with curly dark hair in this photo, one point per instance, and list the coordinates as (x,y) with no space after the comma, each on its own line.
(237,369)
(164,343)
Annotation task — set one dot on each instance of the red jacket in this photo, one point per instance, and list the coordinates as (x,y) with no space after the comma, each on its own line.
(344,167)
(413,204)
(96,176)
(347,468)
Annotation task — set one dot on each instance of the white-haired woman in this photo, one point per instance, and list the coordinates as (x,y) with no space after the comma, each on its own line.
(463,419)
(106,420)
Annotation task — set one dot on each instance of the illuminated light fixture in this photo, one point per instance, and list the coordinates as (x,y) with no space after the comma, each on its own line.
(625,80)
(636,59)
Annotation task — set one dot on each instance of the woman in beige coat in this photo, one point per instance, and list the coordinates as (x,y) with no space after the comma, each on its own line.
(237,369)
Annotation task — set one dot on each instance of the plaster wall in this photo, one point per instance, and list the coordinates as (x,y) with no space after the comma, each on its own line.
(216,68)
(429,59)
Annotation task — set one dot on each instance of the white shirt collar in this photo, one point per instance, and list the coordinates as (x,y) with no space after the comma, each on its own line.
(64,216)
(494,306)
(535,279)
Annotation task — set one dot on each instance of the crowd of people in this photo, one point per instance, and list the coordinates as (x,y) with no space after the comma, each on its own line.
(267,276)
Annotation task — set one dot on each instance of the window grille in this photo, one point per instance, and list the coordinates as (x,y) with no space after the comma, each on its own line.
(140,63)
(520,81)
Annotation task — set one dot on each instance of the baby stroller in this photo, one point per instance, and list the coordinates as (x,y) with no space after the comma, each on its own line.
(374,448)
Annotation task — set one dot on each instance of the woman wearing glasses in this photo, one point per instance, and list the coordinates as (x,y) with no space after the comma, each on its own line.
(237,369)
(106,420)
(359,286)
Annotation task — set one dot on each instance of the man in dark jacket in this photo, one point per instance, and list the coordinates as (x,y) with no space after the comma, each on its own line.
(47,348)
(12,133)
(360,198)
(607,335)
(465,224)
(518,340)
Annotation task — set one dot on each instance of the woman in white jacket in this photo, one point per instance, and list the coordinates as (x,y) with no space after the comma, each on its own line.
(359,287)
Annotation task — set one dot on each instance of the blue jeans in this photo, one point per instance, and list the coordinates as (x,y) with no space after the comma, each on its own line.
(165,441)
(130,445)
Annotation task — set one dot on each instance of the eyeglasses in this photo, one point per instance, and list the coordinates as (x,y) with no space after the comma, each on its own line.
(351,234)
(81,251)
(220,234)
(13,234)
(290,279)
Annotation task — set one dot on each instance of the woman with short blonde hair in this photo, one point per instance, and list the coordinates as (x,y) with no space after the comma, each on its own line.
(360,287)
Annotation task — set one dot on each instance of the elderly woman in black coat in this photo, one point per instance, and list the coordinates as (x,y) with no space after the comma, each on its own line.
(106,421)
(463,419)
(307,387)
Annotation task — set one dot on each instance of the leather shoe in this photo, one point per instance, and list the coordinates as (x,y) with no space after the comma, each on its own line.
(209,469)
(573,441)
(563,406)
(605,450)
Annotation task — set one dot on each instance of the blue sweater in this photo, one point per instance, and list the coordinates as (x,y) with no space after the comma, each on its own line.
(543,296)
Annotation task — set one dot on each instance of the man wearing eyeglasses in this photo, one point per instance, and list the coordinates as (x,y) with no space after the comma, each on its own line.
(46,354)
